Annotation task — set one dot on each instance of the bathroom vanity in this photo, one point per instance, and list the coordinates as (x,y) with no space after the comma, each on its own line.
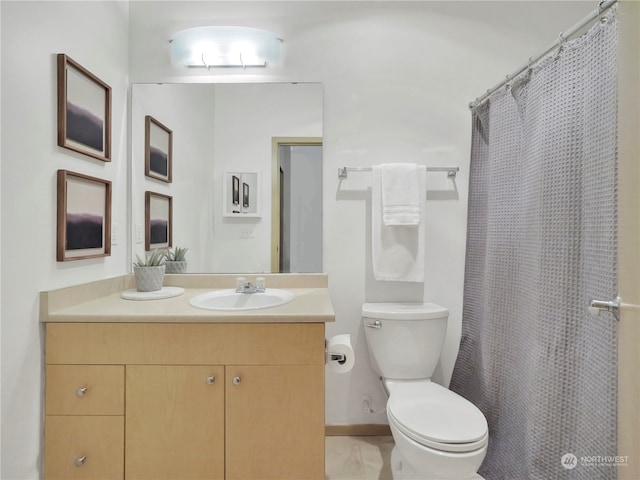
(159,389)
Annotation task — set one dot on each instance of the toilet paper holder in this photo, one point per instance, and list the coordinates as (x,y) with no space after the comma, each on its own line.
(341,358)
(337,357)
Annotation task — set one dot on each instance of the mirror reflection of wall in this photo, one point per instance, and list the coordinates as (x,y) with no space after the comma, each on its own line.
(219,128)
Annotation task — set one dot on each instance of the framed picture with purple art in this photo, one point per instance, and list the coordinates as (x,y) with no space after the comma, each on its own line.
(158,221)
(84,217)
(158,146)
(84,110)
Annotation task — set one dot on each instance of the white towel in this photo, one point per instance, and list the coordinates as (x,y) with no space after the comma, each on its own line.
(398,251)
(401,194)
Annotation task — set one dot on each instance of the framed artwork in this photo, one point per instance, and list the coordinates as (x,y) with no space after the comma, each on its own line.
(158,146)
(236,189)
(245,195)
(158,221)
(84,110)
(239,202)
(84,217)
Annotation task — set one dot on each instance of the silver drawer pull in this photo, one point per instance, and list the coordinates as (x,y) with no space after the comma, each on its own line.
(376,324)
(211,380)
(80,392)
(236,380)
(80,461)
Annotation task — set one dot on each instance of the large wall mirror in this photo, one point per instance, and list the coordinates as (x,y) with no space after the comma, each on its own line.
(268,131)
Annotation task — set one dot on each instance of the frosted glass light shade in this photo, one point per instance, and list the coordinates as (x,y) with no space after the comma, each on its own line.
(224,47)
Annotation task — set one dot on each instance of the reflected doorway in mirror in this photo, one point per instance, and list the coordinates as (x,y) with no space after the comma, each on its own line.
(296,235)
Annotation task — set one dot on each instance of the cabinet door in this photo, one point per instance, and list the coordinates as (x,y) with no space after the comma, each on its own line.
(174,422)
(83,447)
(275,422)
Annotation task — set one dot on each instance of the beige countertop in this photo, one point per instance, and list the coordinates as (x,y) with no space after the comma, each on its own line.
(101,302)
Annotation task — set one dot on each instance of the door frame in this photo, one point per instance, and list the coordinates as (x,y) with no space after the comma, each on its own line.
(276,143)
(628,240)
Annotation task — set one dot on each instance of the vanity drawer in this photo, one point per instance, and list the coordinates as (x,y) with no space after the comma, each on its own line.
(185,343)
(84,447)
(84,390)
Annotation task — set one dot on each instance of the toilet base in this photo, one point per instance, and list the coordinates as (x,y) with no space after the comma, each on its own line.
(397,470)
(412,461)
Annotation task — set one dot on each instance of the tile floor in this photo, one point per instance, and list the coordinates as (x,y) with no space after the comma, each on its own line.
(358,458)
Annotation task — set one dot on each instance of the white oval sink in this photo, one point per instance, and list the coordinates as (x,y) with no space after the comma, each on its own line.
(231,300)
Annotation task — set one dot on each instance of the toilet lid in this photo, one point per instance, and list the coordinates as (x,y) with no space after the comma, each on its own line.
(437,417)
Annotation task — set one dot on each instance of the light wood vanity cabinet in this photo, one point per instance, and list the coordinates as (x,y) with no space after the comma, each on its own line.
(209,401)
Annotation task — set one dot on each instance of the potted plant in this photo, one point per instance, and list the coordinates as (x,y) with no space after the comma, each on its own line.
(176,260)
(149,272)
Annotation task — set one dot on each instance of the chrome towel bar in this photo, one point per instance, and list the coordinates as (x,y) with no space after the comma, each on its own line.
(451,171)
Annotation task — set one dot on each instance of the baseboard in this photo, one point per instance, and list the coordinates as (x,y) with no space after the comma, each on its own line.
(363,430)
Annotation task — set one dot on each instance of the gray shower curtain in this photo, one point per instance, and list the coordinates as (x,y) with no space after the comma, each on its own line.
(541,243)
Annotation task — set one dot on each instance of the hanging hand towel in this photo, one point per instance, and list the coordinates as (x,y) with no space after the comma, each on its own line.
(400,194)
(398,251)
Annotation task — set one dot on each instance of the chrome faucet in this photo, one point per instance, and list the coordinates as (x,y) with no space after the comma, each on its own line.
(248,287)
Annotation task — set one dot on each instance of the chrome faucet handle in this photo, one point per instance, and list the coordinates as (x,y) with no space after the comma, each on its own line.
(240,283)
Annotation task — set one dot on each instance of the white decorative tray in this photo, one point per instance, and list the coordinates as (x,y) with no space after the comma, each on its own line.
(164,292)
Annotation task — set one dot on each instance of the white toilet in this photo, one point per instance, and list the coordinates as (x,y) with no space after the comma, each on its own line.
(438,434)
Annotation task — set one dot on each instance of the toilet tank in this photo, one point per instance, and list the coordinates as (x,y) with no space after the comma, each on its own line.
(404,339)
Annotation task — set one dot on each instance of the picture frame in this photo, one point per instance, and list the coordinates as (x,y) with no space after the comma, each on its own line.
(158,150)
(84,110)
(241,194)
(236,189)
(158,221)
(83,218)
(245,195)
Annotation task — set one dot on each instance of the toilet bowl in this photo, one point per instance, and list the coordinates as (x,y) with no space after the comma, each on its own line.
(438,434)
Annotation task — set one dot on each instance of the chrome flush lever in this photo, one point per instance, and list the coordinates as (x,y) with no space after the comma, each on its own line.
(598,306)
(376,324)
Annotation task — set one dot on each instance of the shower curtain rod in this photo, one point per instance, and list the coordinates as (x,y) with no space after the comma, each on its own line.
(563,37)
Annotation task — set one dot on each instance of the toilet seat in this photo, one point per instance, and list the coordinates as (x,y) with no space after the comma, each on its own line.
(436,417)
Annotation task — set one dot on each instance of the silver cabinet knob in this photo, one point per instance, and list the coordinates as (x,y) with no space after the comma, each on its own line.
(81,391)
(211,380)
(236,380)
(78,462)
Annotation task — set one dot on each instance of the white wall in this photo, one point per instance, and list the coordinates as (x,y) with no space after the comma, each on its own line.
(95,35)
(397,80)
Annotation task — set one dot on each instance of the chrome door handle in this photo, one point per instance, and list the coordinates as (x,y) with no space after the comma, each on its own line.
(598,306)
(376,324)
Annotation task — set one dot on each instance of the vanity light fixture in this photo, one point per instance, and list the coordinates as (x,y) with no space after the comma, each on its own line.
(225,47)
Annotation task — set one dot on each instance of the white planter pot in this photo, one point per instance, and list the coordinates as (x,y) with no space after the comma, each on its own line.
(176,267)
(149,279)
